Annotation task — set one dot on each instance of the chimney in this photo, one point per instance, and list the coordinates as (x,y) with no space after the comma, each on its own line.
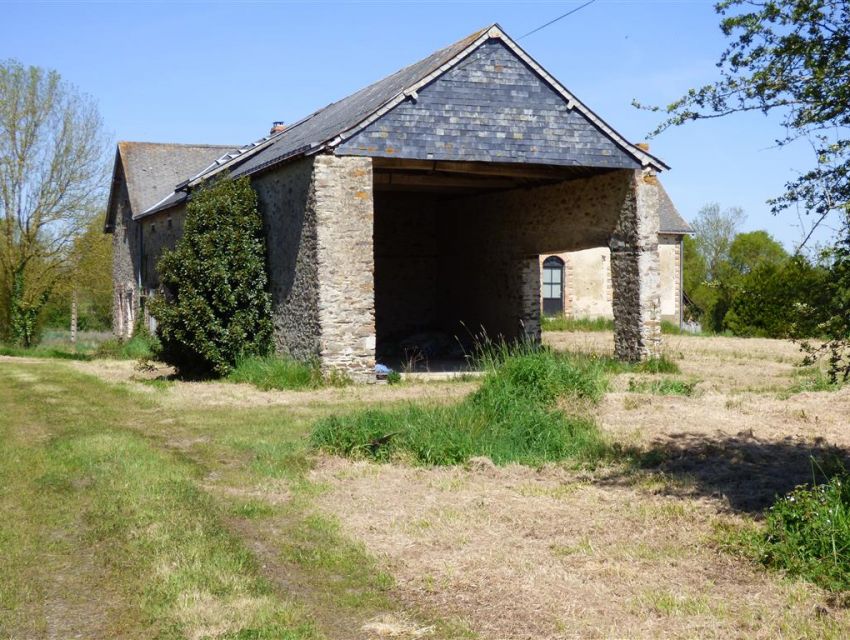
(277,127)
(643,145)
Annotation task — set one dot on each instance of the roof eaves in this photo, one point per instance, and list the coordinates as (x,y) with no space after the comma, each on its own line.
(163,204)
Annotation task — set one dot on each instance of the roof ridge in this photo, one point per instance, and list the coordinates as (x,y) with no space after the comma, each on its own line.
(177,144)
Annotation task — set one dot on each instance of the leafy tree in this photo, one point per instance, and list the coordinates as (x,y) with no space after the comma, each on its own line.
(792,58)
(714,232)
(752,249)
(708,275)
(87,279)
(52,173)
(214,307)
(836,309)
(694,269)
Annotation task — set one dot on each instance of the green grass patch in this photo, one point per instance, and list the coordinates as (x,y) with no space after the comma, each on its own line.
(512,417)
(56,343)
(97,502)
(317,545)
(662,364)
(273,372)
(276,372)
(806,534)
(44,352)
(252,509)
(565,323)
(809,379)
(161,382)
(664,386)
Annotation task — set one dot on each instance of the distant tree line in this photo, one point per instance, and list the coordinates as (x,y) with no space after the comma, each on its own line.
(747,284)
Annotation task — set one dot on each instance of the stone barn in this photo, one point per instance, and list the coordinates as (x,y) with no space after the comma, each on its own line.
(422,203)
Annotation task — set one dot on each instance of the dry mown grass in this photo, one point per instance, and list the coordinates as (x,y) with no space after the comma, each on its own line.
(525,553)
(226,394)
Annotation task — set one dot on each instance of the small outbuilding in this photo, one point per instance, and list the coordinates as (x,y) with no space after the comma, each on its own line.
(423,202)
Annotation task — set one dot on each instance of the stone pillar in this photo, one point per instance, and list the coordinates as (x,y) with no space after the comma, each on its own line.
(529,270)
(346,264)
(635,272)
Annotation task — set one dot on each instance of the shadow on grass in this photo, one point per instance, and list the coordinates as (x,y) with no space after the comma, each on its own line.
(748,472)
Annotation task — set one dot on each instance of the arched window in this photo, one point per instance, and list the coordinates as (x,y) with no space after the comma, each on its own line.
(553,286)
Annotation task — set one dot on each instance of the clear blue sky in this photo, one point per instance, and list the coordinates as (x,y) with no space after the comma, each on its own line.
(222,72)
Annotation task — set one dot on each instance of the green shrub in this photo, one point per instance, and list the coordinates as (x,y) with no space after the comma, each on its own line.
(807,534)
(512,417)
(274,372)
(780,301)
(393,377)
(215,309)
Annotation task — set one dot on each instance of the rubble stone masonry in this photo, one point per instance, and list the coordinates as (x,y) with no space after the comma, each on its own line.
(635,272)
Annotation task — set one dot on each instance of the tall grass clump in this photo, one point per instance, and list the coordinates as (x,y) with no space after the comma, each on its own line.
(142,345)
(273,372)
(807,534)
(512,417)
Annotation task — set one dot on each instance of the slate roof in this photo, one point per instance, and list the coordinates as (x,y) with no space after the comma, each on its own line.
(337,122)
(670,221)
(152,170)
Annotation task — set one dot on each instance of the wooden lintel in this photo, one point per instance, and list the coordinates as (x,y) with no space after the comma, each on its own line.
(401,179)
(514,170)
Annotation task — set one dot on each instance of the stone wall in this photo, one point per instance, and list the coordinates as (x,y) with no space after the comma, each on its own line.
(160,232)
(317,217)
(287,201)
(510,229)
(125,255)
(345,258)
(125,249)
(470,259)
(635,271)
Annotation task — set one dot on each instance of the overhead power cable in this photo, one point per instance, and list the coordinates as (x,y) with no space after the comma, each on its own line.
(568,13)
